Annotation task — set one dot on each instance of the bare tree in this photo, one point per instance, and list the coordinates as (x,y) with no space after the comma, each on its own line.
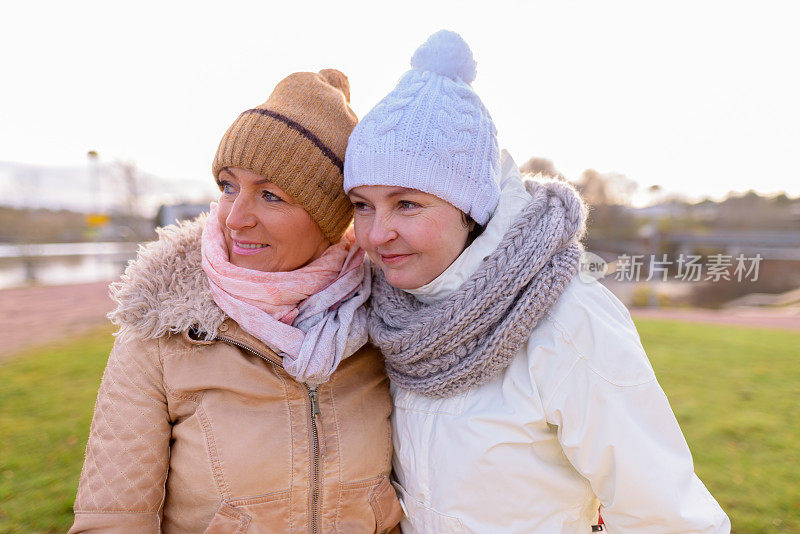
(130,180)
(541,165)
(606,188)
(592,186)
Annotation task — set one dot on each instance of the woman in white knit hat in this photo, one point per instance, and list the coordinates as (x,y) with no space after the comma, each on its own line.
(524,401)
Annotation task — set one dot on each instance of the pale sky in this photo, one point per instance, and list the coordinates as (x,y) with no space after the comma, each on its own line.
(698,97)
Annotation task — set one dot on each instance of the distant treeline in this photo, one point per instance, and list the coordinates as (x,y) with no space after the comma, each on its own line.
(615,227)
(745,212)
(611,216)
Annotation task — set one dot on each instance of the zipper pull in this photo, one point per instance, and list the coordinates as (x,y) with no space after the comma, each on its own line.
(312,394)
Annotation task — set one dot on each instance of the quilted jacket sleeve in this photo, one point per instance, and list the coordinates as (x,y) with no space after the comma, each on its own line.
(122,484)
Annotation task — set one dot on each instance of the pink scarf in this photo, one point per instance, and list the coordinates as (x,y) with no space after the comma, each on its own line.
(312,316)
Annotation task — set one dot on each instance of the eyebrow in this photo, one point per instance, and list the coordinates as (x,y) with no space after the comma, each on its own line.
(393,192)
(257,182)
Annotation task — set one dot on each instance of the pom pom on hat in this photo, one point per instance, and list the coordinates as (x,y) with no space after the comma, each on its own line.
(446,53)
(338,80)
(454,156)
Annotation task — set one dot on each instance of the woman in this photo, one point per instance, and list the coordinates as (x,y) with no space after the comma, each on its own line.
(523,397)
(239,395)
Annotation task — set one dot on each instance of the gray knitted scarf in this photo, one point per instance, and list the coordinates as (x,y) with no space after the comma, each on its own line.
(463,341)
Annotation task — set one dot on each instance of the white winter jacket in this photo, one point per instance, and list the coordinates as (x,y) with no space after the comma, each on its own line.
(576,420)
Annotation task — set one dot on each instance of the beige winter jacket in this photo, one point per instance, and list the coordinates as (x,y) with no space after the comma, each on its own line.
(197,427)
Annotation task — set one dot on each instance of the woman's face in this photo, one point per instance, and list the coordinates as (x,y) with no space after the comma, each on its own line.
(412,236)
(264,228)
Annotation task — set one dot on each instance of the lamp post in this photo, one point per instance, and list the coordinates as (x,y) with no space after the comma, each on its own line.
(97,217)
(94,180)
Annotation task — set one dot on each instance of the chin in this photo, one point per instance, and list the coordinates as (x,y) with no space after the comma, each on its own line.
(401,280)
(246,264)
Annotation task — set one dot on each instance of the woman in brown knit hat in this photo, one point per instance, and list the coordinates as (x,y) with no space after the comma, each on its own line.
(240,395)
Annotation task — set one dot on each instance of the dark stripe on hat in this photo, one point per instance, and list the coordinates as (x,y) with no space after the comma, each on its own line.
(305,132)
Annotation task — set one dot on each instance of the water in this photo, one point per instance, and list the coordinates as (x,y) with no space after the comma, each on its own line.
(62,263)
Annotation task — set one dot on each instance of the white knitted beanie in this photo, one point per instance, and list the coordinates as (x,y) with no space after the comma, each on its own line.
(431,133)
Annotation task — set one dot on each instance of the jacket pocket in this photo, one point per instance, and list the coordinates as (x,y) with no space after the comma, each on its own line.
(368,506)
(386,506)
(228,520)
(421,519)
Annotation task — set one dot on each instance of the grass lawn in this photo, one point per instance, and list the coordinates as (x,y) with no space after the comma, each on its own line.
(735,392)
(46,400)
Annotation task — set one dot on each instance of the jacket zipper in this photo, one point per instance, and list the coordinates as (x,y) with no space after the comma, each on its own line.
(312,396)
(314,412)
(248,349)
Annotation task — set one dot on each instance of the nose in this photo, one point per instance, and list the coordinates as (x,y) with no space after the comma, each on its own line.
(381,231)
(241,214)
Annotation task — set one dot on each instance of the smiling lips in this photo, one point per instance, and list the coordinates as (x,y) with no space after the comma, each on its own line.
(243,248)
(393,259)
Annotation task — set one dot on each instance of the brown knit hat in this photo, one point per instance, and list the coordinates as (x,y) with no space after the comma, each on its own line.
(297,139)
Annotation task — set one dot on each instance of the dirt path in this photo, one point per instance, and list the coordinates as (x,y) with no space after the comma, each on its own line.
(764,318)
(34,315)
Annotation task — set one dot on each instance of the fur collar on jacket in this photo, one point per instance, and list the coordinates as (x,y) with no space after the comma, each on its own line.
(165,290)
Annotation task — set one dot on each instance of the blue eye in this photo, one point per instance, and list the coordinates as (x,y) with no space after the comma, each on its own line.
(272,197)
(225,187)
(408,205)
